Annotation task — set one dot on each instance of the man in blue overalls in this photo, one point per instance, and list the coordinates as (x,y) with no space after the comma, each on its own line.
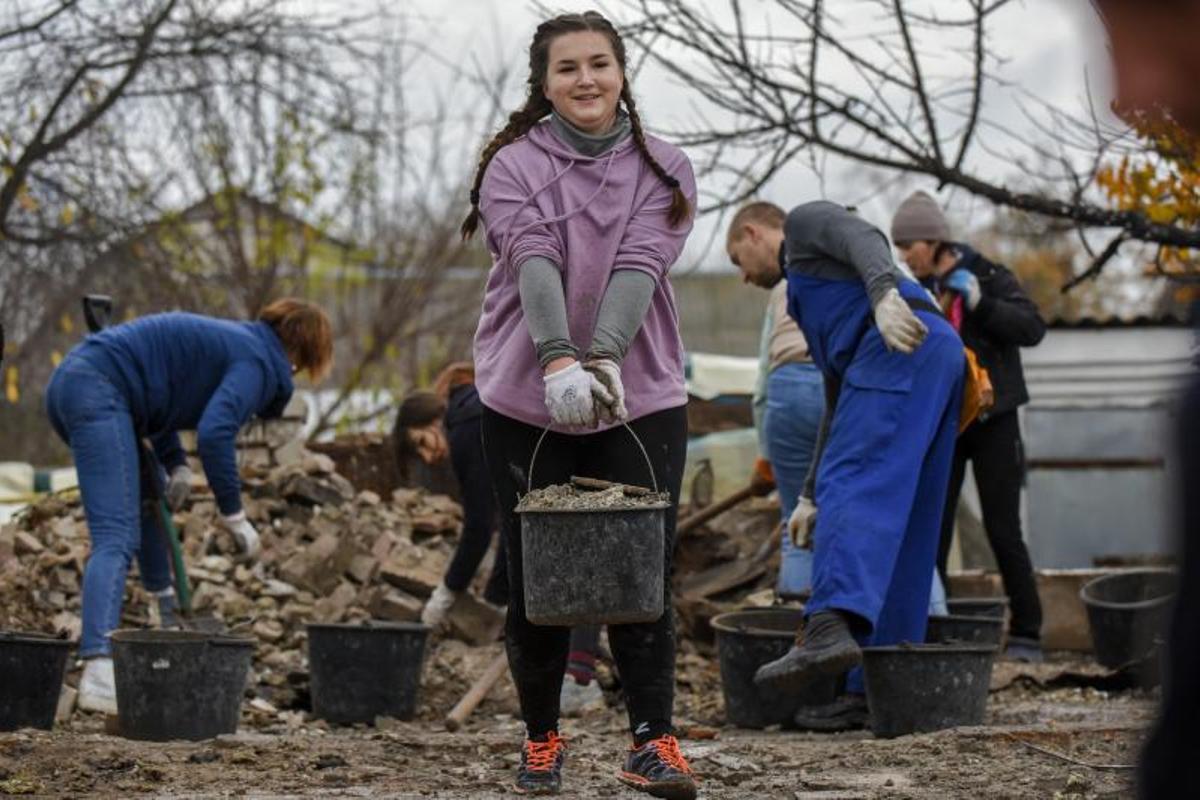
(893,369)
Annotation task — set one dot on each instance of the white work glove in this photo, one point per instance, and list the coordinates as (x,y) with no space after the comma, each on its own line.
(569,397)
(801,523)
(898,325)
(964,282)
(179,486)
(243,533)
(608,393)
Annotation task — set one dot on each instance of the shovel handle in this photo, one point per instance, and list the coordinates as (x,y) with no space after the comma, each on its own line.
(707,513)
(474,696)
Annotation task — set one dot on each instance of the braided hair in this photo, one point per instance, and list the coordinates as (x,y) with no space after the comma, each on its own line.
(537,106)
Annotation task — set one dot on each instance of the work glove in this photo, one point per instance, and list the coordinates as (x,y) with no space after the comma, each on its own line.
(243,533)
(608,393)
(569,397)
(801,523)
(179,486)
(898,325)
(964,282)
(762,479)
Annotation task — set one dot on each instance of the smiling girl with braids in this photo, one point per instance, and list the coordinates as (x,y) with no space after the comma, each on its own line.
(584,215)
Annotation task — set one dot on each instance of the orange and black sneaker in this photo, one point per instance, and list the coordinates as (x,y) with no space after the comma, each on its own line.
(659,769)
(541,765)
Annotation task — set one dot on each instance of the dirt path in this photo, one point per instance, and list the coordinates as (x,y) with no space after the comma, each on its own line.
(420,759)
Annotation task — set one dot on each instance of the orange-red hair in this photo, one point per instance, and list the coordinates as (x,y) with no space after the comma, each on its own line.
(306,334)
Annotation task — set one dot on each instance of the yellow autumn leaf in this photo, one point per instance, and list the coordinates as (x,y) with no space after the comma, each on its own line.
(67,215)
(56,358)
(66,324)
(25,199)
(11,391)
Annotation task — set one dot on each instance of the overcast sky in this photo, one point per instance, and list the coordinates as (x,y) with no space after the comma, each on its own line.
(1051,48)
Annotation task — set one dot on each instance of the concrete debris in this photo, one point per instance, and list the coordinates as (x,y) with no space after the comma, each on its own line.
(329,555)
(334,555)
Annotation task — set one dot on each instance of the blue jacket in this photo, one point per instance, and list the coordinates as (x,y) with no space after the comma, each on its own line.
(189,372)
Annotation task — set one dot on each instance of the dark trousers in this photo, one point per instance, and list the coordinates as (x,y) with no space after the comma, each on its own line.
(537,654)
(1170,764)
(479,515)
(993,446)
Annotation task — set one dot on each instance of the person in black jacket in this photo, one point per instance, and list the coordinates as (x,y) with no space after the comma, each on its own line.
(444,423)
(995,318)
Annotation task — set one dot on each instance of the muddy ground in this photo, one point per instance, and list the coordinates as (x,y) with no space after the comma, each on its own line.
(1040,741)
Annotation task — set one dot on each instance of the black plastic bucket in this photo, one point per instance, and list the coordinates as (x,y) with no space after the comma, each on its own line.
(600,567)
(32,666)
(368,670)
(745,641)
(593,566)
(994,607)
(1127,613)
(928,687)
(179,684)
(964,630)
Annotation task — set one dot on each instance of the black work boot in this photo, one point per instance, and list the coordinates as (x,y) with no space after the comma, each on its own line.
(828,649)
(847,713)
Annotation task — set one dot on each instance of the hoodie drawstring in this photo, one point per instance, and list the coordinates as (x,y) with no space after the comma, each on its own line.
(512,236)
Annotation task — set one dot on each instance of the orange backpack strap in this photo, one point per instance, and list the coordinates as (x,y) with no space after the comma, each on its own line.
(978,394)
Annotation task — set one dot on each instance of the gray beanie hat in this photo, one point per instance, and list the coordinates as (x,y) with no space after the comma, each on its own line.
(920,219)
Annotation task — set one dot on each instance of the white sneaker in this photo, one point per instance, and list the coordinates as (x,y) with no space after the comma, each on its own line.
(98,686)
(576,698)
(436,610)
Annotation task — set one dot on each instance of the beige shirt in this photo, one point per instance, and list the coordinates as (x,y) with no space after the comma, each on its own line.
(786,342)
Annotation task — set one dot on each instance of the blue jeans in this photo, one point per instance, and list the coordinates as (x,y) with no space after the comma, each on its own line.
(795,403)
(93,418)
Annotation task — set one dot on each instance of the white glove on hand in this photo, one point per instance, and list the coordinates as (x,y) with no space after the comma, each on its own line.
(898,325)
(801,523)
(243,533)
(569,397)
(179,486)
(608,393)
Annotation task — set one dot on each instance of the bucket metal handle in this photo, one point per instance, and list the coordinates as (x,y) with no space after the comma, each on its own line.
(625,425)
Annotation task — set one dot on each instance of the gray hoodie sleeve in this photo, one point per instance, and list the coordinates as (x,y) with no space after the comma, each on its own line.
(622,311)
(540,284)
(827,241)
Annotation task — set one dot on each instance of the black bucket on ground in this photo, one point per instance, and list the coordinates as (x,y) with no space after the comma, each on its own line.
(367,670)
(1128,613)
(179,684)
(32,666)
(593,566)
(964,630)
(994,607)
(928,687)
(745,641)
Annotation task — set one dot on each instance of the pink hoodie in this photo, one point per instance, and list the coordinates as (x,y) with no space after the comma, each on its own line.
(589,215)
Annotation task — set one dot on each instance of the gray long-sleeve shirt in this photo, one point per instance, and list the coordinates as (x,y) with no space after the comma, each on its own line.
(826,240)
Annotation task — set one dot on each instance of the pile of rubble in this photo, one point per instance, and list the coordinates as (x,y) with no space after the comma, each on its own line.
(329,554)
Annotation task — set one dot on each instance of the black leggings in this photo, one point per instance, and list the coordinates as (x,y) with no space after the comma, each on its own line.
(537,654)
